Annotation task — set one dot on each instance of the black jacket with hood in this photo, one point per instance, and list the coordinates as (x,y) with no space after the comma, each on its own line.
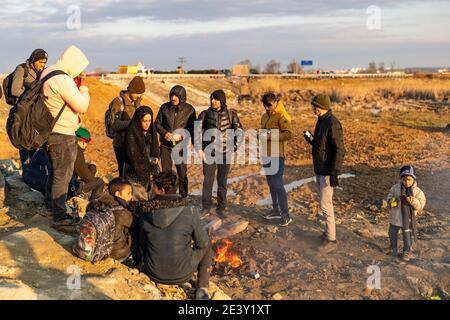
(123,220)
(171,117)
(328,146)
(140,147)
(169,234)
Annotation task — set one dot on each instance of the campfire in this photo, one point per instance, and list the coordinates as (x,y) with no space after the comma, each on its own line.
(224,258)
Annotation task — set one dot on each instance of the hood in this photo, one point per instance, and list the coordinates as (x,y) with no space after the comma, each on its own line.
(162,218)
(280,109)
(140,113)
(180,92)
(162,211)
(105,201)
(72,61)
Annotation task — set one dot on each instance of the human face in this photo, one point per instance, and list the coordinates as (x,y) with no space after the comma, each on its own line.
(146,122)
(39,65)
(317,111)
(126,194)
(270,107)
(174,100)
(408,181)
(135,96)
(157,191)
(83,144)
(215,104)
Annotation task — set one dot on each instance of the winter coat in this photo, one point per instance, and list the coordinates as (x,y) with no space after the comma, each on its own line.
(20,83)
(418,203)
(61,90)
(121,119)
(278,119)
(328,146)
(169,234)
(140,147)
(171,117)
(123,220)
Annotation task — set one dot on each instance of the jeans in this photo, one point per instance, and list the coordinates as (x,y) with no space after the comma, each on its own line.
(166,164)
(276,186)
(62,152)
(121,157)
(326,205)
(209,173)
(393,235)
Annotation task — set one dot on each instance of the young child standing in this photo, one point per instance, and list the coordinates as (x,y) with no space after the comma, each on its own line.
(405,201)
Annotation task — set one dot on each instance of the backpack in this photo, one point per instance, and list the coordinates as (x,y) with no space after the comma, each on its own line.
(109,119)
(30,123)
(96,235)
(7,84)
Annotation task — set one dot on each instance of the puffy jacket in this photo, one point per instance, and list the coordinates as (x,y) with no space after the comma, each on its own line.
(171,117)
(281,120)
(121,120)
(328,146)
(418,203)
(61,90)
(169,234)
(123,220)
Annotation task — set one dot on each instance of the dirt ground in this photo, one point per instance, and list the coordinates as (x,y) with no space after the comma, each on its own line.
(381,135)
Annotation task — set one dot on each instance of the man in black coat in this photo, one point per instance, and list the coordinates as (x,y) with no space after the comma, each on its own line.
(328,156)
(173,115)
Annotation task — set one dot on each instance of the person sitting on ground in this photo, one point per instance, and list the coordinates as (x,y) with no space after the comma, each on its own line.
(142,148)
(173,242)
(118,199)
(86,181)
(405,200)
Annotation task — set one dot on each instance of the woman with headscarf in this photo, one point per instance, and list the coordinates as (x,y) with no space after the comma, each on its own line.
(142,148)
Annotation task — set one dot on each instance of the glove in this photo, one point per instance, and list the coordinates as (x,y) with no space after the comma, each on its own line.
(334,181)
(308,136)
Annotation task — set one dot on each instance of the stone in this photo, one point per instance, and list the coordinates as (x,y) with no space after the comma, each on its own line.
(277,296)
(2,190)
(230,230)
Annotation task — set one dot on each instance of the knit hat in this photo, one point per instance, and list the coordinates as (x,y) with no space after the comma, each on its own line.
(37,55)
(408,170)
(221,96)
(136,85)
(321,101)
(83,134)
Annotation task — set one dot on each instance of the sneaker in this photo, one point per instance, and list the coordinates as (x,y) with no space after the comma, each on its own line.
(285,222)
(202,294)
(222,212)
(407,256)
(274,214)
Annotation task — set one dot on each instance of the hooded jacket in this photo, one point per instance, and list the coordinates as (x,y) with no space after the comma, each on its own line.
(123,220)
(418,203)
(169,234)
(280,120)
(20,83)
(121,120)
(328,146)
(61,90)
(140,147)
(171,117)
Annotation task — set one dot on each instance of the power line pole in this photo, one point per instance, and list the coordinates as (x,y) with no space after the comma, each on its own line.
(181,61)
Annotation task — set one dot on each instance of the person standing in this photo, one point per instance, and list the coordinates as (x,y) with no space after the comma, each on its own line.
(328,156)
(122,109)
(62,93)
(276,118)
(173,115)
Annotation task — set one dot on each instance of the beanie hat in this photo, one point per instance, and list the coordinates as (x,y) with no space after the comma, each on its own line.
(408,170)
(321,101)
(136,85)
(38,54)
(83,134)
(221,96)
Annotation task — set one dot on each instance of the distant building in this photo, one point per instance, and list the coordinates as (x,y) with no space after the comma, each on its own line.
(139,68)
(240,69)
(180,70)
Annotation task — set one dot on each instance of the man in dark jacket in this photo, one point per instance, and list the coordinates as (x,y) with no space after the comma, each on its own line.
(173,242)
(173,115)
(218,117)
(85,173)
(328,156)
(122,111)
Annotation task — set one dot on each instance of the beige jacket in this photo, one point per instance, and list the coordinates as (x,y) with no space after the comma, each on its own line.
(418,203)
(62,89)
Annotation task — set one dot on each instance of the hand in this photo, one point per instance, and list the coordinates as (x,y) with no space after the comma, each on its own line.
(308,136)
(334,181)
(177,137)
(404,199)
(168,136)
(409,200)
(202,154)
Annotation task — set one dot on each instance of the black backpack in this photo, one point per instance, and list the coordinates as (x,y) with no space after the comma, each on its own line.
(109,119)
(7,84)
(30,123)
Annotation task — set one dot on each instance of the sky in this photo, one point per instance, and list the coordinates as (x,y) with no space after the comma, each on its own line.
(218,33)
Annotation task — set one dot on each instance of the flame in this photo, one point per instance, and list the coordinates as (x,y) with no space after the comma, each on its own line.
(223,254)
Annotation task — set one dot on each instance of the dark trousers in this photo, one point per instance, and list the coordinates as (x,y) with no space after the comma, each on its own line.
(96,186)
(204,258)
(393,235)
(166,164)
(62,152)
(276,186)
(25,156)
(209,173)
(121,157)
